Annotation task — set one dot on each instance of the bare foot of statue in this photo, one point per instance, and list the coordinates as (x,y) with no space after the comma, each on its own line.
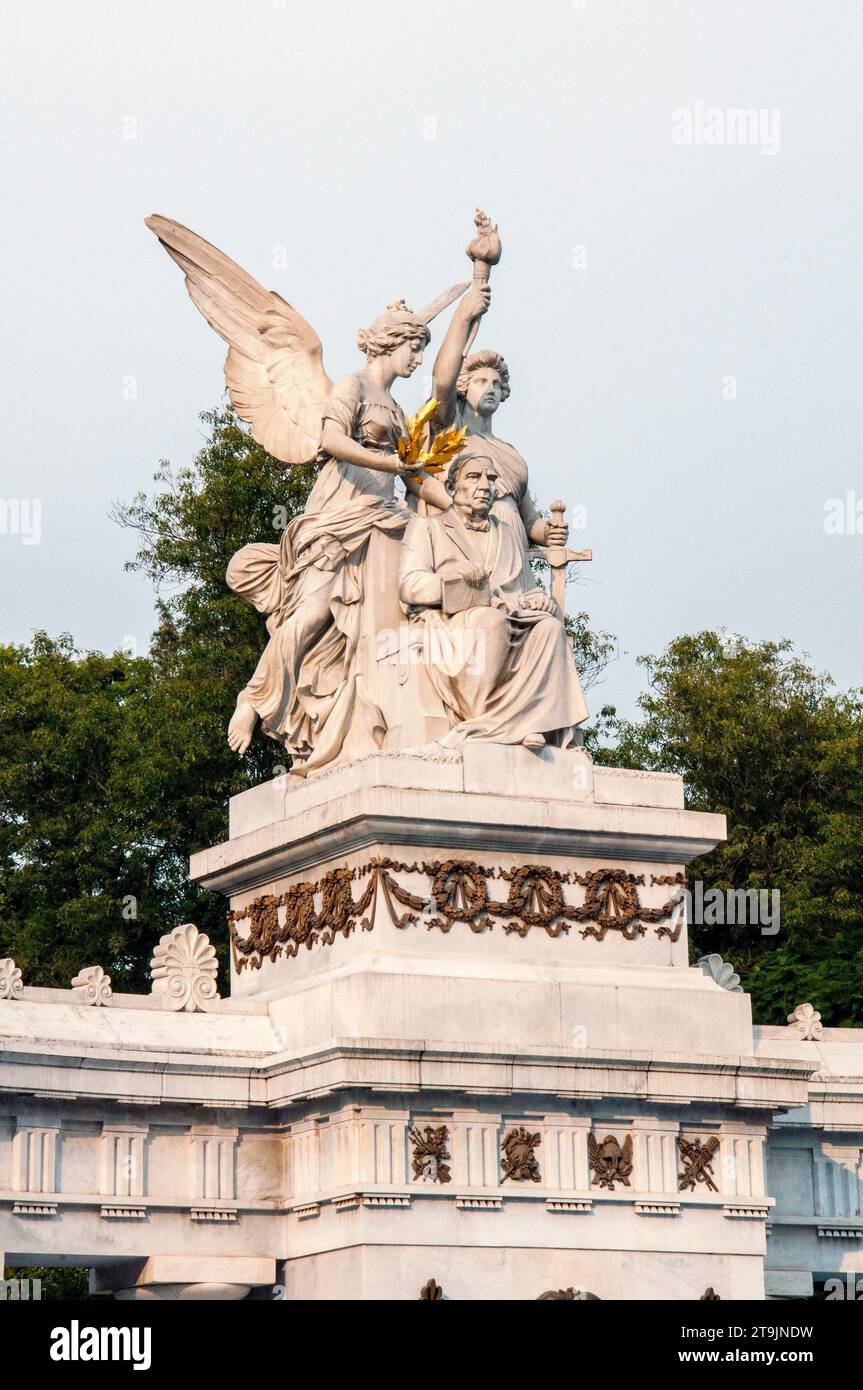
(534,741)
(242,725)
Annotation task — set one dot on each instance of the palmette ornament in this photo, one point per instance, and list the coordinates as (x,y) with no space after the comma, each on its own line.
(184,970)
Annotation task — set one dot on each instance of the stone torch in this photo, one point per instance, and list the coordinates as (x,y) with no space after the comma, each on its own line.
(484,251)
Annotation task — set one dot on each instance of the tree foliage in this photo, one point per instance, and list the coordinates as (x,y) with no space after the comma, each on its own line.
(760,737)
(114,769)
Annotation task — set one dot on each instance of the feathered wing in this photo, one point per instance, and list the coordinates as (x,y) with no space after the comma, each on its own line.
(274,367)
(625,1165)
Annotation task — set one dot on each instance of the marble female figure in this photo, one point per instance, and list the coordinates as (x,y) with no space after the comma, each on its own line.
(305,690)
(469,391)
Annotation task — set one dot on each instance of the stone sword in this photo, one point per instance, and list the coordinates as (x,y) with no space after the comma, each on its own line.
(558,557)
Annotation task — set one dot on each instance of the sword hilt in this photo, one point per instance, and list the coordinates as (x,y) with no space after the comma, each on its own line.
(558,557)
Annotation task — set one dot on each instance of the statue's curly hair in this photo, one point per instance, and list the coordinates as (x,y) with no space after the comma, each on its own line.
(484,358)
(388,331)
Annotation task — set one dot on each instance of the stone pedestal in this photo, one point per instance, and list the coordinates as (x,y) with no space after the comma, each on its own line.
(464,1053)
(183,1293)
(457,947)
(484,897)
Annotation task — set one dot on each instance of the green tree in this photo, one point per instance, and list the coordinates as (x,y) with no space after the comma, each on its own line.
(68,1284)
(74,867)
(207,640)
(759,736)
(113,769)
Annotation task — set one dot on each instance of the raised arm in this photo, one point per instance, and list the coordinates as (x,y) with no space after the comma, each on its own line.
(450,358)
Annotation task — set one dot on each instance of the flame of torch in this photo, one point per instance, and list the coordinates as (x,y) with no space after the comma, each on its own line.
(484,251)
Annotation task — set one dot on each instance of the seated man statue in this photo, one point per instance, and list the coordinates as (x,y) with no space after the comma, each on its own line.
(497,651)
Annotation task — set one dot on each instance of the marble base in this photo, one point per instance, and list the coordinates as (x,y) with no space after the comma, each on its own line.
(269,1143)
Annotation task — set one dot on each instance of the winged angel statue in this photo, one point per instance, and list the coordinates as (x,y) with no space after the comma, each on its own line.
(305,690)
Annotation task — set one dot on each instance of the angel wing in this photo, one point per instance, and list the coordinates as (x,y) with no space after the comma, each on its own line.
(592,1148)
(625,1164)
(274,367)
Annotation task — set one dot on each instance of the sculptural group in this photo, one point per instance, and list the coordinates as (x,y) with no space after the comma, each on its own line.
(456,557)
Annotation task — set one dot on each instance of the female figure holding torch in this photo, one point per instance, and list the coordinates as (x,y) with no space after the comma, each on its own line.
(470,386)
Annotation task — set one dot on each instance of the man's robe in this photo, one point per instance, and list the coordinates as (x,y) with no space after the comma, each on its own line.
(502,670)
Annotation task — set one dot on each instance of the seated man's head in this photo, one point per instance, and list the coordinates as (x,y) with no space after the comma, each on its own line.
(471,480)
(483,382)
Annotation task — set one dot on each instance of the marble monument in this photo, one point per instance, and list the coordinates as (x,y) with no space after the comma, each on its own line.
(464,1054)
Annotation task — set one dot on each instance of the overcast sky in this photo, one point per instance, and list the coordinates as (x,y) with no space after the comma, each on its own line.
(681,320)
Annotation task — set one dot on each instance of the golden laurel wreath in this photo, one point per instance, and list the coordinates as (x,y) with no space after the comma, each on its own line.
(415,450)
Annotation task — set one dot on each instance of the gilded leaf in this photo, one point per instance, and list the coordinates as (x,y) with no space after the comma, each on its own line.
(442,450)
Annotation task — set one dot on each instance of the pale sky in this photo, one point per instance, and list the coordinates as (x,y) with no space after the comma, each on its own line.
(681,321)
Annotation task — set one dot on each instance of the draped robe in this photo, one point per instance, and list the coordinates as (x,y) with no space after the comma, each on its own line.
(306,689)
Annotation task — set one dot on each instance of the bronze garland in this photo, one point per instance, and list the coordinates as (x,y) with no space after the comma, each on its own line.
(673,933)
(569,1295)
(459,893)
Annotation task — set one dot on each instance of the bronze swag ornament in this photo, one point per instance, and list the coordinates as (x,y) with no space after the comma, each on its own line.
(458,892)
